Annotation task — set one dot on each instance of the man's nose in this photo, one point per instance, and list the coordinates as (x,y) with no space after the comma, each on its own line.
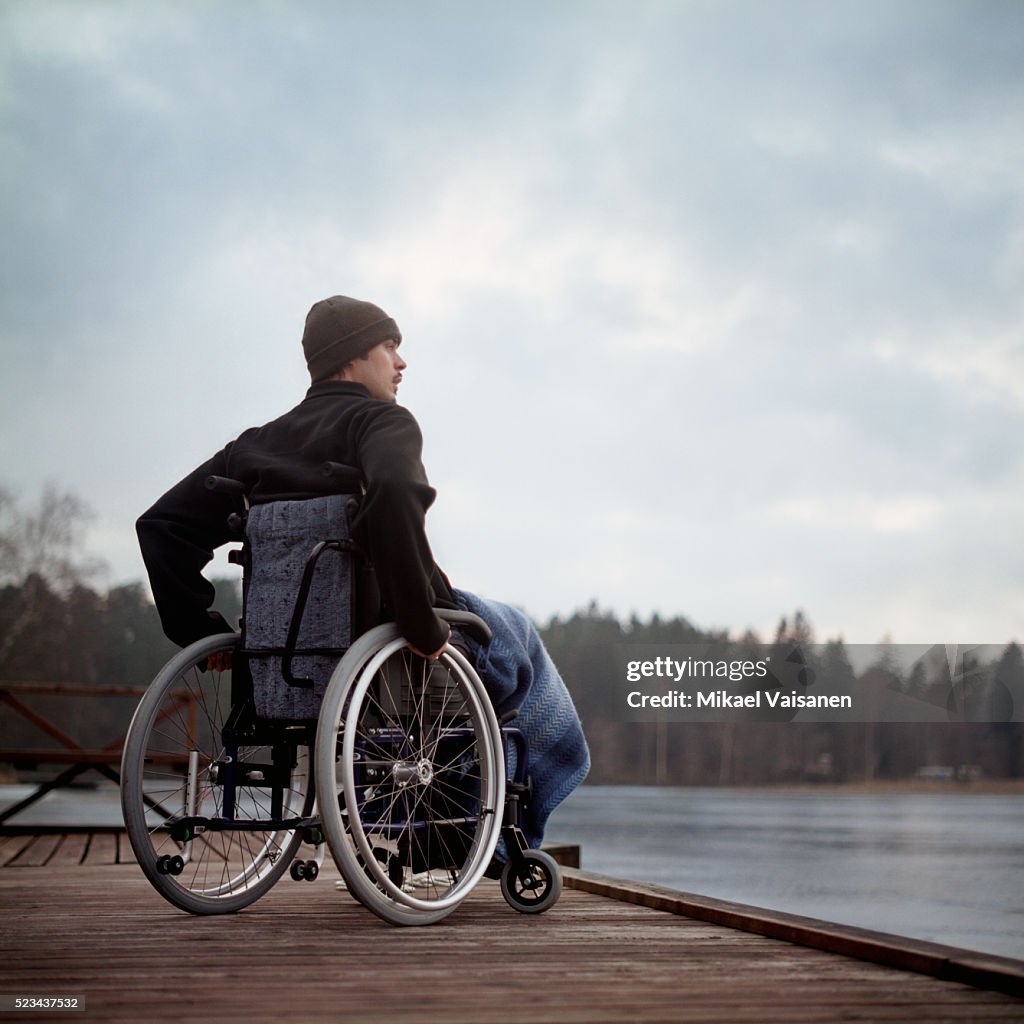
(400,363)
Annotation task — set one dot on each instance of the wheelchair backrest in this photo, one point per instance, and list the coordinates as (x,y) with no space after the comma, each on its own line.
(281,536)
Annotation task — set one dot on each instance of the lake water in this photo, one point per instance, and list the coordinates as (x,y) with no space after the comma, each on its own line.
(945,867)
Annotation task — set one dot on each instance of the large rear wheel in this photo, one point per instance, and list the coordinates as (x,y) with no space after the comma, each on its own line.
(207,791)
(411,777)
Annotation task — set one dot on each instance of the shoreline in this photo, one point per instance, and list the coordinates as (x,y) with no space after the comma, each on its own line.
(980,787)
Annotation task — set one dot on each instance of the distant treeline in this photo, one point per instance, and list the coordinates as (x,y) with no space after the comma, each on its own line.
(738,752)
(77,634)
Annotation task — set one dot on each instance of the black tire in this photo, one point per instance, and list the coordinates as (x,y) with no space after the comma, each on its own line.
(532,883)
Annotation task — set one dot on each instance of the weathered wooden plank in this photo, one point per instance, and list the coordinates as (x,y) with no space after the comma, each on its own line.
(310,953)
(36,852)
(566,854)
(71,849)
(102,849)
(11,846)
(987,971)
(125,853)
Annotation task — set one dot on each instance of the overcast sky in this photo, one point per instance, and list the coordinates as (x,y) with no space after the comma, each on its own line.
(711,309)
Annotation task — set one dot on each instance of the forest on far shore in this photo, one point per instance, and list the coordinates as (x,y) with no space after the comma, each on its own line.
(58,626)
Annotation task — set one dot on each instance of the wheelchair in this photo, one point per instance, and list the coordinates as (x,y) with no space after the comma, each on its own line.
(235,761)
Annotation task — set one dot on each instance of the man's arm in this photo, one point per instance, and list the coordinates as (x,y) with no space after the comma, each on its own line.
(391,523)
(178,536)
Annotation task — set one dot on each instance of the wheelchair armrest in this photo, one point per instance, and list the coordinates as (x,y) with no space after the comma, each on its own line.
(468,623)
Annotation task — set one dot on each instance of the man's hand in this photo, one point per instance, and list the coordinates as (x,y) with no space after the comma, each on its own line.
(219,662)
(437,654)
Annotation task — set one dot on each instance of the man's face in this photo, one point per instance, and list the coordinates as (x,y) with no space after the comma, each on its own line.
(380,370)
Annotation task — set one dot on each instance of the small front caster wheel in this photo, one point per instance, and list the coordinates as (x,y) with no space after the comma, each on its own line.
(531,882)
(168,865)
(312,870)
(298,870)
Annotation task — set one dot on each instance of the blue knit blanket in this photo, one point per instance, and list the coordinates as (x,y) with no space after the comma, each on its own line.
(519,673)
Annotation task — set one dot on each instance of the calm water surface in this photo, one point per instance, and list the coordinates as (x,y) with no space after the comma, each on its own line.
(943,867)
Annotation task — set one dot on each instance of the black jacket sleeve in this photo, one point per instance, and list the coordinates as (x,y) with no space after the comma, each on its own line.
(391,523)
(178,536)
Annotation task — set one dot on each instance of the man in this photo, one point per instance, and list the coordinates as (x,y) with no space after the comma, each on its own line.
(350,416)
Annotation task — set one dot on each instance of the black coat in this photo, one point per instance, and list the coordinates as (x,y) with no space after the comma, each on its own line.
(337,422)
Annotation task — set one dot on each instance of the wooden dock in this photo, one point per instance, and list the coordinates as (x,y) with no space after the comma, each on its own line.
(78,918)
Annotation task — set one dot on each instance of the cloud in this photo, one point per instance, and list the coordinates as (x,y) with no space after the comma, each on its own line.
(710,308)
(985,369)
(891,514)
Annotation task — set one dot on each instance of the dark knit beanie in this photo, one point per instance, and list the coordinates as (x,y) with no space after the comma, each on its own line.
(340,329)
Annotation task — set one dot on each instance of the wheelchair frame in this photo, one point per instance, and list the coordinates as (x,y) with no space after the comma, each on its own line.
(402,776)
